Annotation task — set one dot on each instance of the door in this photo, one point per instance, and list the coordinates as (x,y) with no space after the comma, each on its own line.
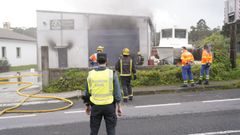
(62,58)
(114,40)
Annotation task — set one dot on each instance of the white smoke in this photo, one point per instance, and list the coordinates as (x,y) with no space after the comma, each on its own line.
(161,18)
(121,7)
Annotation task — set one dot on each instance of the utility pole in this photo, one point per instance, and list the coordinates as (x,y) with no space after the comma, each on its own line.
(233,50)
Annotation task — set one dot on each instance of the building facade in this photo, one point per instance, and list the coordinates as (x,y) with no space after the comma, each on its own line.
(18,49)
(72,37)
(231,11)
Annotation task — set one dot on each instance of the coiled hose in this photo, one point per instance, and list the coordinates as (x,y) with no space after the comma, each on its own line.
(28,96)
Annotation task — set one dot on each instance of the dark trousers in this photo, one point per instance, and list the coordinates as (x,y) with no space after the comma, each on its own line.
(126,85)
(110,117)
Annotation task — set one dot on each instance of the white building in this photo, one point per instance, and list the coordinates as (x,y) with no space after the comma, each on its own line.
(231,11)
(18,49)
(175,37)
(171,41)
(72,37)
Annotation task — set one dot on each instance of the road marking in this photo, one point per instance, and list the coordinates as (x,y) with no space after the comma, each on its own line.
(218,133)
(157,105)
(19,116)
(71,112)
(31,103)
(221,100)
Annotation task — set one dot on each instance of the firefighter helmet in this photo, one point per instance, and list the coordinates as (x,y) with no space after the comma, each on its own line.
(126,51)
(100,48)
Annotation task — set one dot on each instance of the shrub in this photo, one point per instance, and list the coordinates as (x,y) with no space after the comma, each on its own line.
(163,75)
(72,79)
(4,65)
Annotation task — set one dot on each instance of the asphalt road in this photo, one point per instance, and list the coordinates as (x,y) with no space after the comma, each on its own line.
(211,113)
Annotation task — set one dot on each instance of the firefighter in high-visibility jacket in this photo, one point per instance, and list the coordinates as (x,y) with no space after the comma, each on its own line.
(93,57)
(187,60)
(126,68)
(102,97)
(206,63)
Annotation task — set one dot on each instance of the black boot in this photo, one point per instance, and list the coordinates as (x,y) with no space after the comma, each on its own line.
(206,82)
(125,100)
(130,98)
(184,85)
(199,82)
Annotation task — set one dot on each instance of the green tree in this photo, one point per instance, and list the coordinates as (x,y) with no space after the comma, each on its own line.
(26,31)
(220,47)
(199,32)
(217,40)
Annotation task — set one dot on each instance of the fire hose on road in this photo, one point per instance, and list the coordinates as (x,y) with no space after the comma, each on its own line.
(28,96)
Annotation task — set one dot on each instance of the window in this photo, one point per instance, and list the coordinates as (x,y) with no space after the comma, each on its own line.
(3,52)
(180,33)
(18,52)
(167,33)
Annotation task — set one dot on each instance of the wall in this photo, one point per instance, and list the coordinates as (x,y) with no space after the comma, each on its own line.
(76,38)
(237,6)
(28,52)
(78,53)
(145,39)
(238,9)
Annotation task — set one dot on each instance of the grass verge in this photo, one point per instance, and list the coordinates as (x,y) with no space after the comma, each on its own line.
(21,68)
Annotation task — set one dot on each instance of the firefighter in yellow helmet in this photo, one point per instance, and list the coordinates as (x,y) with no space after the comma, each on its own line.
(102,96)
(93,57)
(126,68)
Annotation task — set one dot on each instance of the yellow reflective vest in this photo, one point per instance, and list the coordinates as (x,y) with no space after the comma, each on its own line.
(186,57)
(206,57)
(100,86)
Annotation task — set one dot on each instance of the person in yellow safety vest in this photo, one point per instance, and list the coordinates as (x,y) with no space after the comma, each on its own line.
(102,97)
(206,63)
(187,60)
(126,68)
(93,57)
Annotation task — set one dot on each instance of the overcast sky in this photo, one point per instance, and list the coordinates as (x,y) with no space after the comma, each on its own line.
(166,13)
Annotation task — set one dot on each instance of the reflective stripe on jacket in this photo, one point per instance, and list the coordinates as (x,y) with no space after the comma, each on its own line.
(100,84)
(186,57)
(206,57)
(126,64)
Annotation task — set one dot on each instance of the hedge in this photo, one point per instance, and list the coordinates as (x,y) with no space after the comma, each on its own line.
(163,75)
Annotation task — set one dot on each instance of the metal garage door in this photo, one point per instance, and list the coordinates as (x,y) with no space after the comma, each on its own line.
(114,41)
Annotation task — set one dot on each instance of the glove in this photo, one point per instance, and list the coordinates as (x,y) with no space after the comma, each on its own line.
(190,63)
(134,77)
(88,110)
(208,64)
